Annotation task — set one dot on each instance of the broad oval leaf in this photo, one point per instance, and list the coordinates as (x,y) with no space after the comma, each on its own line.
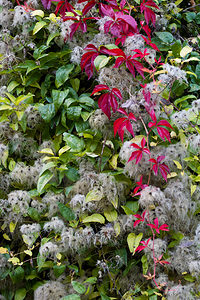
(94,218)
(66,212)
(94,195)
(43,180)
(78,287)
(62,74)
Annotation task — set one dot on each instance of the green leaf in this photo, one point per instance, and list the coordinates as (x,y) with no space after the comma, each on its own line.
(75,83)
(62,74)
(48,166)
(72,174)
(176,48)
(74,113)
(101,61)
(94,218)
(91,280)
(12,85)
(71,297)
(20,294)
(38,26)
(66,212)
(85,99)
(43,180)
(47,111)
(51,37)
(17,275)
(33,213)
(76,144)
(184,98)
(94,195)
(104,297)
(59,97)
(165,37)
(111,215)
(134,241)
(144,261)
(78,287)
(58,270)
(189,278)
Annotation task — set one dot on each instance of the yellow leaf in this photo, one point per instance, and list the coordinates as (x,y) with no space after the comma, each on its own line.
(115,202)
(171,175)
(190,59)
(3,250)
(94,195)
(37,12)
(185,51)
(193,188)
(177,163)
(38,26)
(63,150)
(191,73)
(173,134)
(14,260)
(4,226)
(94,218)
(113,161)
(182,173)
(12,226)
(46,151)
(152,144)
(117,228)
(6,237)
(28,252)
(59,256)
(111,215)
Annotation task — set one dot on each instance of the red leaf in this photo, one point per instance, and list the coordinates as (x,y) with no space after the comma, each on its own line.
(99,88)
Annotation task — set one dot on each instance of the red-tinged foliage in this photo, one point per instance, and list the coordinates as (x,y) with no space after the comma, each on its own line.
(87,60)
(131,63)
(122,123)
(107,100)
(139,186)
(149,14)
(164,169)
(158,229)
(137,155)
(144,245)
(81,23)
(141,54)
(120,22)
(163,132)
(139,218)
(148,42)
(159,261)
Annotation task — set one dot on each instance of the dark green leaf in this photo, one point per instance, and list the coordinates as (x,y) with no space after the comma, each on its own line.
(33,213)
(62,74)
(17,275)
(58,270)
(47,111)
(59,97)
(78,287)
(74,112)
(66,212)
(76,144)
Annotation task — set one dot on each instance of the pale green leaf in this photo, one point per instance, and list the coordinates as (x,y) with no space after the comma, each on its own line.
(94,218)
